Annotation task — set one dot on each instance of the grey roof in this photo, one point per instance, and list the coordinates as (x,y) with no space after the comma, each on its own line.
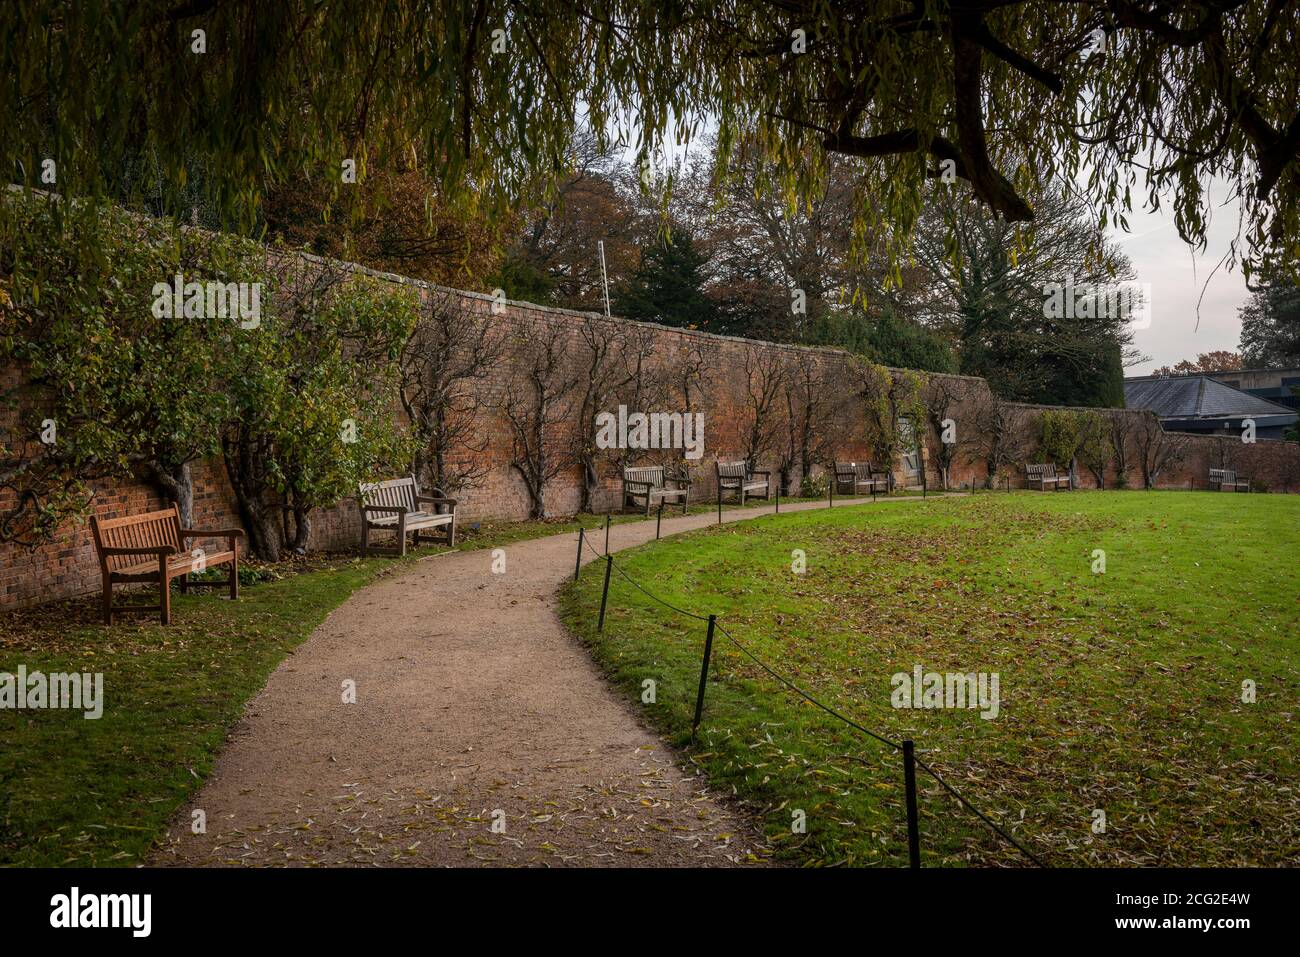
(1195,397)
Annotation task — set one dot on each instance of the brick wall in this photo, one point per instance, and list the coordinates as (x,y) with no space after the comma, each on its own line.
(68,566)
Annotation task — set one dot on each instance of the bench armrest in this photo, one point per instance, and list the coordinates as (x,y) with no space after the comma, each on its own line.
(385,509)
(434,500)
(646,485)
(155,550)
(683,482)
(766,473)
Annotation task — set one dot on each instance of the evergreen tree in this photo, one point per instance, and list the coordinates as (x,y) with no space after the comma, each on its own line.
(668,286)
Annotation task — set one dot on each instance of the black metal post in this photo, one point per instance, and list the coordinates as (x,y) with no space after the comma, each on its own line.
(704,676)
(719,504)
(659,519)
(924,485)
(913,825)
(577,568)
(830,490)
(604,595)
(608,516)
(778,498)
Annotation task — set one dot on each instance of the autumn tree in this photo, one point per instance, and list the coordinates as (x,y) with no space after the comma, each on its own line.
(1219,360)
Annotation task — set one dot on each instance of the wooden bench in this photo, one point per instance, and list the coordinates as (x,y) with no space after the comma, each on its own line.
(1045,476)
(653,483)
(739,478)
(397,506)
(151,548)
(1228,481)
(852,476)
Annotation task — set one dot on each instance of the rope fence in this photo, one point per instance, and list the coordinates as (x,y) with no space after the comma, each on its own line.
(906,747)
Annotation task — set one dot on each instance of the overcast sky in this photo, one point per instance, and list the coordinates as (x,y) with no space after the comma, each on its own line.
(1177,277)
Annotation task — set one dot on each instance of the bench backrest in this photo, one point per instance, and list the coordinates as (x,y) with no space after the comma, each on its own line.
(395,493)
(738,470)
(654,474)
(864,471)
(1226,476)
(1043,469)
(147,530)
(846,468)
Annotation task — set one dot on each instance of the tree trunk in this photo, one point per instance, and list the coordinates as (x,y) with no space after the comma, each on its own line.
(262,521)
(176,486)
(302,529)
(590,485)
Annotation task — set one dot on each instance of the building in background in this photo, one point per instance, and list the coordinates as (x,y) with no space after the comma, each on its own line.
(1276,385)
(1204,404)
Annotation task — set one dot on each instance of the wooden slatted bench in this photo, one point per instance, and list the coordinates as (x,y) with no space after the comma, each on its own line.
(397,506)
(739,478)
(151,548)
(1228,481)
(645,484)
(850,477)
(1045,476)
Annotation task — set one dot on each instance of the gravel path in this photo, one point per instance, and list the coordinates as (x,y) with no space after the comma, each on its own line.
(474,706)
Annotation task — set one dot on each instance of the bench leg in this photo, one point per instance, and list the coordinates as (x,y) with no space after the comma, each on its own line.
(108,601)
(185,584)
(365,537)
(451,531)
(401,536)
(164,591)
(234,575)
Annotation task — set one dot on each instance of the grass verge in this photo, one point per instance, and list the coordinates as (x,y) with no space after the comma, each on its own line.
(1119,692)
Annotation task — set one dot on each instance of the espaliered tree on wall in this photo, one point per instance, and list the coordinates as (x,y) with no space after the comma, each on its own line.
(118,383)
(444,365)
(601,358)
(1059,437)
(812,403)
(314,390)
(1096,452)
(764,384)
(539,406)
(147,347)
(1004,438)
(1156,449)
(950,403)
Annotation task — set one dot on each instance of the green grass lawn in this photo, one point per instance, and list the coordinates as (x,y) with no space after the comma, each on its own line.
(1119,692)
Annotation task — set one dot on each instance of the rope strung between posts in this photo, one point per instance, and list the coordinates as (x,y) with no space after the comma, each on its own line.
(996,828)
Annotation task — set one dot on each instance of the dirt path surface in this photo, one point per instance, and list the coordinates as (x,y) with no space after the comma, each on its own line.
(473,704)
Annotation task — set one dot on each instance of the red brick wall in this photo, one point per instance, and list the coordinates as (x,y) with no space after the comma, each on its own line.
(68,566)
